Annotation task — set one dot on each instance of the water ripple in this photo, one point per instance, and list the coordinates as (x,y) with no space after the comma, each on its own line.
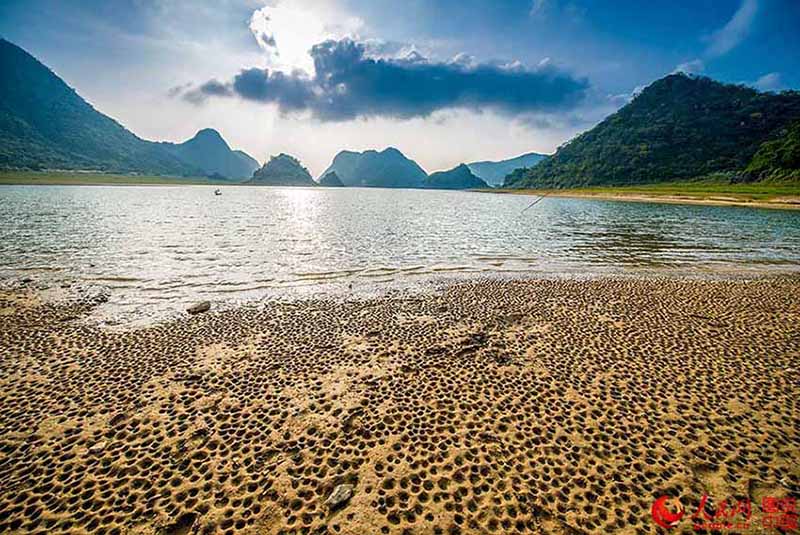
(158,248)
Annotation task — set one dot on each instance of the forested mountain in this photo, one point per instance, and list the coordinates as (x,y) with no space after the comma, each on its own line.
(45,124)
(680,127)
(460,177)
(331,180)
(779,158)
(282,170)
(388,169)
(209,152)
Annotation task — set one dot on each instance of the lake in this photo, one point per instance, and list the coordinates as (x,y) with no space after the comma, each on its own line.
(157,249)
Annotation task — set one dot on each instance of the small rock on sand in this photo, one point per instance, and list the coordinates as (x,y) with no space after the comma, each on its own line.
(339,496)
(197,308)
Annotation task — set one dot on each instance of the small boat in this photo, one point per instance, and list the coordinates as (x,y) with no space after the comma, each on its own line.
(217,192)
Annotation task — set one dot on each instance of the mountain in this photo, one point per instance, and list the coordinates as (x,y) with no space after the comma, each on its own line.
(386,169)
(494,173)
(331,180)
(459,177)
(680,127)
(209,152)
(777,159)
(282,170)
(45,124)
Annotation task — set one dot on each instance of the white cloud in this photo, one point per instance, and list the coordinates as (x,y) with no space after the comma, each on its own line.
(729,36)
(769,82)
(539,8)
(696,66)
(620,99)
(382,49)
(569,11)
(725,39)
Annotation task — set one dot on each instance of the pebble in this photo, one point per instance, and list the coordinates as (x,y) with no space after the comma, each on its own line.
(197,308)
(97,448)
(340,495)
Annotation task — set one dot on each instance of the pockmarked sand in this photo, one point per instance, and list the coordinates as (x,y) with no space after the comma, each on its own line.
(494,407)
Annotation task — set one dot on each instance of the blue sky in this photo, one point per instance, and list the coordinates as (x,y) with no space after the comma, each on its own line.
(445,81)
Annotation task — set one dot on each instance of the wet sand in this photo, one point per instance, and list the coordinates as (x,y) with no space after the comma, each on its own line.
(538,406)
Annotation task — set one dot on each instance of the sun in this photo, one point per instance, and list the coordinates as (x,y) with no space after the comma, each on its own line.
(287,33)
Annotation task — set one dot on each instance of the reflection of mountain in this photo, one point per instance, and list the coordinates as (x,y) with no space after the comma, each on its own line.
(631,235)
(282,170)
(386,169)
(629,245)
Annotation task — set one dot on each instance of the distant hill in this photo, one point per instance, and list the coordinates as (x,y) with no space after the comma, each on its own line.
(209,152)
(678,128)
(45,124)
(331,180)
(459,177)
(494,173)
(387,169)
(282,170)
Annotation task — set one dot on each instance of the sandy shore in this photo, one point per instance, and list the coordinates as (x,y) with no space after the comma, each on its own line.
(496,407)
(777,203)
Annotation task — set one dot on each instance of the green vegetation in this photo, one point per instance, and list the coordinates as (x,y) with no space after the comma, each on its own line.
(459,177)
(282,170)
(706,189)
(331,180)
(45,124)
(718,189)
(778,159)
(386,169)
(86,179)
(678,128)
(209,152)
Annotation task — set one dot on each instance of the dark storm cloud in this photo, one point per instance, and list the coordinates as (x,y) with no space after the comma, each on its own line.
(291,92)
(198,95)
(349,84)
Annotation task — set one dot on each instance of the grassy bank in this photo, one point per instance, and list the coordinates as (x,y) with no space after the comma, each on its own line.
(95,179)
(775,195)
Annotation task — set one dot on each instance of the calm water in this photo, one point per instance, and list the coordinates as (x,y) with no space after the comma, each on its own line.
(158,248)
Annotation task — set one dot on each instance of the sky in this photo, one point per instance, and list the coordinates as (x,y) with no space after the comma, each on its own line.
(444,81)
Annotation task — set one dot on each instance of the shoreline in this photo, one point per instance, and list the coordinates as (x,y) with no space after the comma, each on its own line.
(528,405)
(767,196)
(110,311)
(122,183)
(778,203)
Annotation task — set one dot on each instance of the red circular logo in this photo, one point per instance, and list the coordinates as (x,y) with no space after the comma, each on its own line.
(663,515)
